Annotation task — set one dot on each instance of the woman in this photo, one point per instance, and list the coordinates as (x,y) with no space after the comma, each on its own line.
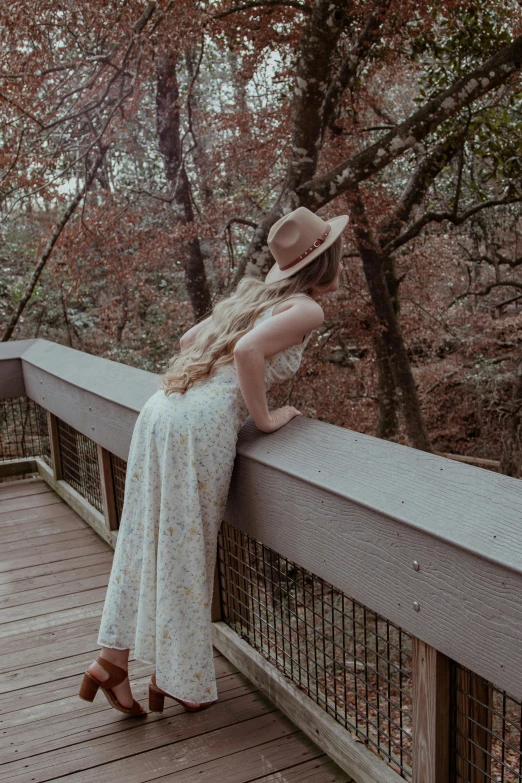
(180,462)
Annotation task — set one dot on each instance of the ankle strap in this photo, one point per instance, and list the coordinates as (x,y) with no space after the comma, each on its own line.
(116,673)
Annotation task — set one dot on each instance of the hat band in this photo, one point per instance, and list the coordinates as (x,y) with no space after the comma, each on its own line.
(317,243)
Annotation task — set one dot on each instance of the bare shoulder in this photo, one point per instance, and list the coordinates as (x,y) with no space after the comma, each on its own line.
(303,304)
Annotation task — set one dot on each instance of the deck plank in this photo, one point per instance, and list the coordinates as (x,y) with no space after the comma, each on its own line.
(53,578)
(51,620)
(69,714)
(44,569)
(285,755)
(38,528)
(21,489)
(43,595)
(58,539)
(21,517)
(24,502)
(39,646)
(26,586)
(44,736)
(55,555)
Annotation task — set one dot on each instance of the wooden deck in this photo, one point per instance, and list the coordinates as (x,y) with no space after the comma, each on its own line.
(53,576)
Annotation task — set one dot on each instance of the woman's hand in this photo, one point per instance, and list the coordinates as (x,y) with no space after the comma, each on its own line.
(278,418)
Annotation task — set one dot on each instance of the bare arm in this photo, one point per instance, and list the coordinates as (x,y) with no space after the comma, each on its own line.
(268,338)
(187,338)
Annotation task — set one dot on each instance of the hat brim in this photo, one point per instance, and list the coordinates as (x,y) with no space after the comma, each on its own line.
(338,224)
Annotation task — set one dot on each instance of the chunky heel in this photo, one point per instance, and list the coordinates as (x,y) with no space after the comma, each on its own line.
(156,699)
(89,687)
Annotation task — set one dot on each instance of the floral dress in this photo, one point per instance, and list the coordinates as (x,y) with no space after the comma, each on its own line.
(179,468)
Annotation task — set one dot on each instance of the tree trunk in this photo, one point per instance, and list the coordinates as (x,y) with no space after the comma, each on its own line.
(202,160)
(313,73)
(168,125)
(511,458)
(387,400)
(373,266)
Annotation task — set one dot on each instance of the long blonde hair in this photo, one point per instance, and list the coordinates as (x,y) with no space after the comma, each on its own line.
(235,314)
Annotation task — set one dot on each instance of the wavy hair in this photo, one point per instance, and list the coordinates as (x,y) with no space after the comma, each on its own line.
(235,314)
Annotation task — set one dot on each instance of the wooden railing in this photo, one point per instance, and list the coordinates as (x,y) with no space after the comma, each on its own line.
(371,590)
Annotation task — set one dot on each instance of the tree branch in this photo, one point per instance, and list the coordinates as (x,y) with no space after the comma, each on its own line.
(51,243)
(418,185)
(316,49)
(363,165)
(345,76)
(438,217)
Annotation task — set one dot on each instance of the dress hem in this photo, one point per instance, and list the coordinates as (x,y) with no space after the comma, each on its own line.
(129,647)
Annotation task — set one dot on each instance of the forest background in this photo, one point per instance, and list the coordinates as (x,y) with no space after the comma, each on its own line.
(147,148)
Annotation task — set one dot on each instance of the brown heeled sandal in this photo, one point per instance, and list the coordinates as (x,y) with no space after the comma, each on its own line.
(90,685)
(157,699)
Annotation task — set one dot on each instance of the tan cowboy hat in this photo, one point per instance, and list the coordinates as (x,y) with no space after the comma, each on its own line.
(297,238)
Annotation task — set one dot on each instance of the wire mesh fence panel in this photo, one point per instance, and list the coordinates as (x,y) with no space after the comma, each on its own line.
(80,466)
(23,430)
(486,729)
(355,664)
(118,473)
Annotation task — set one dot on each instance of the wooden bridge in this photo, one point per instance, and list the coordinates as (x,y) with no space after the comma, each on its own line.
(53,576)
(367,615)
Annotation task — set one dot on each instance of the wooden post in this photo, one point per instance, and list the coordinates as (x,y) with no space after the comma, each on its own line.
(216,603)
(430,714)
(235,582)
(54,443)
(107,488)
(243,580)
(474,724)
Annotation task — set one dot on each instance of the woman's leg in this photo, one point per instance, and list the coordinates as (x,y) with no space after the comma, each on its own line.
(120,658)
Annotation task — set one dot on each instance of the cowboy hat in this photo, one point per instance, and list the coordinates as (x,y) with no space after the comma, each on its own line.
(297,238)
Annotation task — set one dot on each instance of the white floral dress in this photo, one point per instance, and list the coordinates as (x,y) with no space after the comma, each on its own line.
(179,467)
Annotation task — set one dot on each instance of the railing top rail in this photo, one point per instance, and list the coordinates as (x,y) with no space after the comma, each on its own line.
(13,349)
(126,386)
(470,507)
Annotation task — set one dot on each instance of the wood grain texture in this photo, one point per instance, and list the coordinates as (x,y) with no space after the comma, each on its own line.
(317,724)
(107,488)
(14,349)
(355,510)
(104,421)
(48,632)
(96,396)
(54,445)
(430,714)
(11,378)
(475,509)
(89,513)
(11,369)
(321,503)
(474,725)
